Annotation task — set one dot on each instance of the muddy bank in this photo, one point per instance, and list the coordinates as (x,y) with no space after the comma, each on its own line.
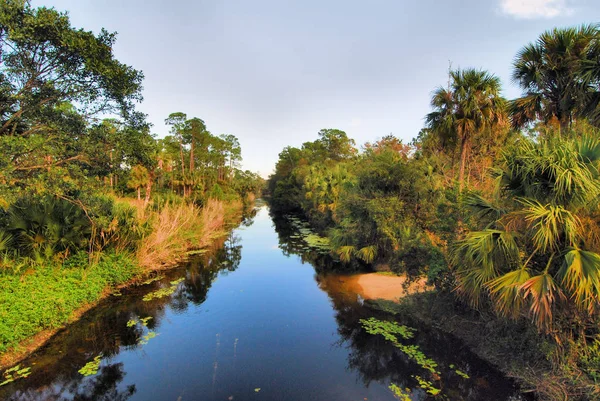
(373,286)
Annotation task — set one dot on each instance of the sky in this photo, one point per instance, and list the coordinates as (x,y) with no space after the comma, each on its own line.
(275,72)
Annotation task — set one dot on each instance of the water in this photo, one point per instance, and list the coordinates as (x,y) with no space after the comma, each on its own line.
(248,322)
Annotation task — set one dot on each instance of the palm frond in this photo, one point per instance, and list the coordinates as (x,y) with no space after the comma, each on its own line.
(542,292)
(580,275)
(552,225)
(506,292)
(367,254)
(345,253)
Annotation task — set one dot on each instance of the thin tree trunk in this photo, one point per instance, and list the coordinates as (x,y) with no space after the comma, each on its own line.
(463,162)
(111,171)
(139,192)
(192,156)
(148,190)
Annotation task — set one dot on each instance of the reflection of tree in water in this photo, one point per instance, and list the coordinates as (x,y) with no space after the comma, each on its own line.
(101,387)
(291,244)
(249,213)
(204,269)
(376,359)
(103,330)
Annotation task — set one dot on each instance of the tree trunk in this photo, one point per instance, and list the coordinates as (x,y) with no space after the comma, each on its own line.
(111,171)
(148,191)
(463,161)
(139,191)
(192,156)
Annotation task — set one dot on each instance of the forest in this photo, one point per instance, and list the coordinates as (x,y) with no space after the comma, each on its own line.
(496,201)
(89,197)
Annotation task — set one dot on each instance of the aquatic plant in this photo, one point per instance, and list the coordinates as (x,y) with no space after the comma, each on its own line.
(402,395)
(91,368)
(390,331)
(387,329)
(163,292)
(459,372)
(152,280)
(144,340)
(427,386)
(14,373)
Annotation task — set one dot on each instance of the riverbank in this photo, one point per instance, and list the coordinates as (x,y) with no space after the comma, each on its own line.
(514,347)
(372,286)
(37,303)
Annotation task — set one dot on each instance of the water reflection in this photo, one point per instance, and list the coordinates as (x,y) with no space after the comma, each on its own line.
(376,359)
(104,331)
(234,325)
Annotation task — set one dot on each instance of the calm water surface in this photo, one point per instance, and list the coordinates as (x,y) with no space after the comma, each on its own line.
(249,321)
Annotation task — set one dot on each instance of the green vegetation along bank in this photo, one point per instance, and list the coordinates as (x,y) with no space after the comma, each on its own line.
(88,203)
(495,201)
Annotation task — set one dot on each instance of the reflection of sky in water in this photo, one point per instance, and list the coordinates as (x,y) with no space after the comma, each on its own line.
(265,324)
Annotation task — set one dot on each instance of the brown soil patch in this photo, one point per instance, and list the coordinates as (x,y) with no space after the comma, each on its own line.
(372,286)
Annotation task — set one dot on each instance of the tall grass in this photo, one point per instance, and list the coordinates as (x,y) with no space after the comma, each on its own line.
(180,228)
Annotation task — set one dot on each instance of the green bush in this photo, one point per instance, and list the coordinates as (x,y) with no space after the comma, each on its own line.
(46,298)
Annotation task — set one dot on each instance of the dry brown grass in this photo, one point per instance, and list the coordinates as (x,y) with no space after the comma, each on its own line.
(180,228)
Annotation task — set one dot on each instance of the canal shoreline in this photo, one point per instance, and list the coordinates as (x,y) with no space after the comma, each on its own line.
(231,219)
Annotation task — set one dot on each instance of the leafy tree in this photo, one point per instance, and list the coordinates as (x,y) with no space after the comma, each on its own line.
(177,121)
(53,77)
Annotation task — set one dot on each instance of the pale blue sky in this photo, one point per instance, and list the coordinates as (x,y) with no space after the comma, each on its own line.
(274,72)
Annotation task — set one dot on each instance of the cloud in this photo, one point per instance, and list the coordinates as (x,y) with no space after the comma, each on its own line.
(530,9)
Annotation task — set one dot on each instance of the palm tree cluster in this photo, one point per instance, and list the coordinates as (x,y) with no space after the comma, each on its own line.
(537,250)
(560,76)
(469,107)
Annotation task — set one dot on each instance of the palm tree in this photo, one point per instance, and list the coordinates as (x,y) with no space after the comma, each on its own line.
(535,250)
(550,72)
(469,106)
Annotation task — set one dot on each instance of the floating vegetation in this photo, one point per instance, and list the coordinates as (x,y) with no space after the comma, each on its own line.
(152,280)
(14,373)
(311,240)
(144,340)
(318,242)
(387,329)
(143,321)
(256,390)
(402,395)
(391,331)
(427,386)
(91,368)
(414,352)
(163,292)
(462,374)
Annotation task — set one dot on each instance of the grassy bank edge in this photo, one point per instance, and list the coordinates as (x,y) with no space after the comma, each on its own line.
(177,231)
